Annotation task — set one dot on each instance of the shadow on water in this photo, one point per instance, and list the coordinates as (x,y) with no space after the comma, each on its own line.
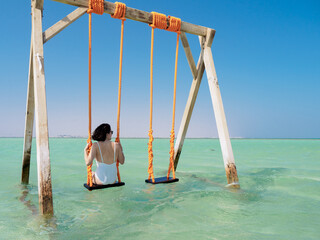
(23,198)
(45,224)
(253,184)
(262,178)
(259,182)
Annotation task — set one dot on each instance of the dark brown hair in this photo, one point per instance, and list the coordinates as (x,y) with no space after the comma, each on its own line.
(100,133)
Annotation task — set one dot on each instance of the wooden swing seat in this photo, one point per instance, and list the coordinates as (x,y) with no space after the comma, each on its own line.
(162,180)
(96,186)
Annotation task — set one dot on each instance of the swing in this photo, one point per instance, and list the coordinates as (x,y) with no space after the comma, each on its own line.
(97,6)
(160,21)
(96,187)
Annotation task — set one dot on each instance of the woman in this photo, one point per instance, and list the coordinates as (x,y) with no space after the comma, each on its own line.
(106,154)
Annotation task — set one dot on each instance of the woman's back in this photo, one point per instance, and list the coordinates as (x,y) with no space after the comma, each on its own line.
(106,152)
(106,171)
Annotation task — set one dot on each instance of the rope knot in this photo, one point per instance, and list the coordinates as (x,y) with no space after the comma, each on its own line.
(171,165)
(89,175)
(172,136)
(96,6)
(90,144)
(150,155)
(120,11)
(174,24)
(159,20)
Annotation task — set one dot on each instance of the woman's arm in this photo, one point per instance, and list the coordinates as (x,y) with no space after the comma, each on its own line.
(120,154)
(88,157)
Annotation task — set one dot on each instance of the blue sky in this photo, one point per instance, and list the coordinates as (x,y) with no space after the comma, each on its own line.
(267,57)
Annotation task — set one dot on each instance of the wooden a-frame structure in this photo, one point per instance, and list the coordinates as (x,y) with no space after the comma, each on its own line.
(36,96)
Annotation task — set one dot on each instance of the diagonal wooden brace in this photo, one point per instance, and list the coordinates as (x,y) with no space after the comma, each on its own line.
(63,23)
(192,97)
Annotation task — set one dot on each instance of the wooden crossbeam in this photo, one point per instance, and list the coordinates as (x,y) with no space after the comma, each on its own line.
(63,23)
(138,15)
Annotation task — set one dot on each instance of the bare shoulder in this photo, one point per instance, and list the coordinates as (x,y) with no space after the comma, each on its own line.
(94,146)
(116,145)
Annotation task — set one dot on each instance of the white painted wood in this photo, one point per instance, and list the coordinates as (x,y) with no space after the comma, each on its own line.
(218,107)
(204,41)
(138,15)
(63,23)
(188,110)
(189,56)
(191,100)
(43,160)
(219,113)
(28,123)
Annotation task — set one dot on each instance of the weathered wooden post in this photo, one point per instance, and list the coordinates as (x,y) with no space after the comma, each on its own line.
(42,136)
(28,123)
(225,143)
(36,103)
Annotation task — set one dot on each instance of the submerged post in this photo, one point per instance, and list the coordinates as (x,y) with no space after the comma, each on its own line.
(43,160)
(28,123)
(225,143)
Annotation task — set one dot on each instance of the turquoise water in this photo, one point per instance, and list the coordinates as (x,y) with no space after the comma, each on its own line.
(279,196)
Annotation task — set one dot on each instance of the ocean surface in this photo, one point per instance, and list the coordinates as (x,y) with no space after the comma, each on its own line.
(279,196)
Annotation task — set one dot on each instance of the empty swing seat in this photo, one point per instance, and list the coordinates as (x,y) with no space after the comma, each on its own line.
(162,180)
(96,186)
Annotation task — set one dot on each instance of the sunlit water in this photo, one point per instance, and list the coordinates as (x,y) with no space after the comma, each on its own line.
(279,196)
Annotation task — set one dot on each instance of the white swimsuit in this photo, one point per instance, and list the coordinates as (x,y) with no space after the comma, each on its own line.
(106,173)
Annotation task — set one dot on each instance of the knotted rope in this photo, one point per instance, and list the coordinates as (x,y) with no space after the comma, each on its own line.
(119,13)
(158,21)
(95,6)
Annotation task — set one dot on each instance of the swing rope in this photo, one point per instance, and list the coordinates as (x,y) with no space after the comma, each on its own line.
(119,13)
(95,6)
(175,25)
(160,21)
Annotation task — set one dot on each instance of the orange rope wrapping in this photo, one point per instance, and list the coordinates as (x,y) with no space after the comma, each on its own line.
(159,20)
(96,6)
(174,24)
(89,168)
(150,155)
(171,164)
(120,11)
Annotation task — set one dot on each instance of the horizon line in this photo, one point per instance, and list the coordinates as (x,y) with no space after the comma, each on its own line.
(271,138)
